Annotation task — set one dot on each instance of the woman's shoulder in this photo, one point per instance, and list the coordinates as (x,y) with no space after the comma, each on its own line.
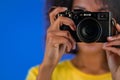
(62,69)
(32,73)
(62,66)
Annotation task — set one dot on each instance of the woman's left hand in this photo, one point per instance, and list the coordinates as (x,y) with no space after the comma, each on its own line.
(113,54)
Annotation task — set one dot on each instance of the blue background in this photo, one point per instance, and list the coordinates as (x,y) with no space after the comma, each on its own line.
(22,39)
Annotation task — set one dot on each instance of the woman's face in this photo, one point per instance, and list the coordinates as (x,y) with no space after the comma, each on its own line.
(93,6)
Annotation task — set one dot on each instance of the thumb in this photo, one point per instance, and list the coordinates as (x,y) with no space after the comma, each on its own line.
(112,61)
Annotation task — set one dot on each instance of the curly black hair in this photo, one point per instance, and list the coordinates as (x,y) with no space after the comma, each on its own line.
(60,3)
(114,6)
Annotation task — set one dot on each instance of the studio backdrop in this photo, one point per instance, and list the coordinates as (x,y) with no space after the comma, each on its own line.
(22,37)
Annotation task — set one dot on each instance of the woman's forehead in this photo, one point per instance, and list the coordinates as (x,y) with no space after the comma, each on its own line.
(90,5)
(90,1)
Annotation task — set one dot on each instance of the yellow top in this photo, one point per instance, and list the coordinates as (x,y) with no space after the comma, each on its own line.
(66,71)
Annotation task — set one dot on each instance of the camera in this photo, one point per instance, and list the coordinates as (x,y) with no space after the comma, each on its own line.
(90,26)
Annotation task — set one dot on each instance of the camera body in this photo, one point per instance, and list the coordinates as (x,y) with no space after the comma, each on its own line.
(90,26)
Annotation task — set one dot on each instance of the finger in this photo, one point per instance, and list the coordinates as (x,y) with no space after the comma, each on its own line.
(118,27)
(63,41)
(112,61)
(112,38)
(58,40)
(113,50)
(63,20)
(53,14)
(113,43)
(67,35)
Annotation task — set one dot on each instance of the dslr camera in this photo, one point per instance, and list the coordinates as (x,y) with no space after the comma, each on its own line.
(90,26)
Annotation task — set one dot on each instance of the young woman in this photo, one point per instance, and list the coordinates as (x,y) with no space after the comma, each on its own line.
(93,61)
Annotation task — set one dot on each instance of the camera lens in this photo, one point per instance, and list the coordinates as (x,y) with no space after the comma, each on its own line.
(89,30)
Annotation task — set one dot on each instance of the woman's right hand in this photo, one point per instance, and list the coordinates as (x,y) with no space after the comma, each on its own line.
(58,42)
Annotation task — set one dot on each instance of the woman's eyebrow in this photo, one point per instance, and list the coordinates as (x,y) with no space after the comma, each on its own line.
(103,8)
(79,7)
(83,8)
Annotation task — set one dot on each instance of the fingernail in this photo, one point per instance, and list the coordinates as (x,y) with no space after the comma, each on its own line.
(104,45)
(74,47)
(65,8)
(74,27)
(117,25)
(56,45)
(110,38)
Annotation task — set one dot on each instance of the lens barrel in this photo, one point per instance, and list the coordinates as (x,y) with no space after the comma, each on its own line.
(89,30)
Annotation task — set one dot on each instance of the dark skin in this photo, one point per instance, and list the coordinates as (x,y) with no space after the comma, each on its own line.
(90,57)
